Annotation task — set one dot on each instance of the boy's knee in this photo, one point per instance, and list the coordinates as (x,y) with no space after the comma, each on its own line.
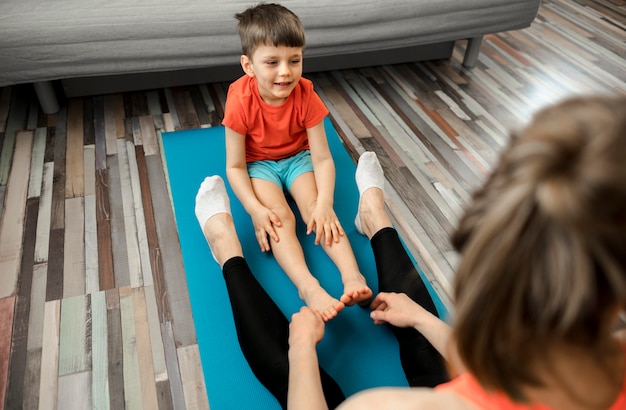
(285,214)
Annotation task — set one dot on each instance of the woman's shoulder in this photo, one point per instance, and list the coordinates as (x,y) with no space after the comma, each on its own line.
(405,398)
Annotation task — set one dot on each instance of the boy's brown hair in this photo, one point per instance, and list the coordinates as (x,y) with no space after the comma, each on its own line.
(269,24)
(544,246)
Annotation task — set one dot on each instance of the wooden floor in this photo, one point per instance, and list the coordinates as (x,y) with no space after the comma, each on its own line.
(94,308)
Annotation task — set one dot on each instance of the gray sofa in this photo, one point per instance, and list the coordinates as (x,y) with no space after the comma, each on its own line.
(95,47)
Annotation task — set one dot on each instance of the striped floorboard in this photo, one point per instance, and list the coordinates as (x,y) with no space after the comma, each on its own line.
(94,307)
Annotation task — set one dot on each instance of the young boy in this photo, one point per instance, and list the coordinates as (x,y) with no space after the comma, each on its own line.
(275,141)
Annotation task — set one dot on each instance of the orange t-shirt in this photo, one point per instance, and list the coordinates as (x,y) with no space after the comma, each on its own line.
(467,387)
(272,132)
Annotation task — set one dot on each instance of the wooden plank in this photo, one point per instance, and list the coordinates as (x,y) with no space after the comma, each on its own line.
(99,352)
(113,121)
(74,160)
(200,107)
(148,135)
(19,339)
(118,229)
(171,105)
(37,307)
(89,136)
(57,218)
(156,263)
(92,278)
(99,133)
(32,379)
(132,377)
(154,103)
(89,169)
(173,370)
(168,123)
(74,391)
(12,223)
(140,220)
(75,335)
(129,220)
(171,257)
(144,350)
(103,223)
(37,161)
(115,350)
(193,378)
(54,282)
(74,248)
(8,144)
(7,308)
(50,356)
(158,355)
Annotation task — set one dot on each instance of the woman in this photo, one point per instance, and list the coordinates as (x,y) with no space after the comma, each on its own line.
(542,279)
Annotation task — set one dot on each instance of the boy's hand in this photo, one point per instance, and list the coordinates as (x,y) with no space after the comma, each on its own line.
(263,220)
(325,224)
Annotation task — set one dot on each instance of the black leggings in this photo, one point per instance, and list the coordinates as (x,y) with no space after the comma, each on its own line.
(263,330)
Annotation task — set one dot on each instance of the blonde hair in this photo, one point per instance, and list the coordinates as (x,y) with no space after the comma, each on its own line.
(544,244)
(269,24)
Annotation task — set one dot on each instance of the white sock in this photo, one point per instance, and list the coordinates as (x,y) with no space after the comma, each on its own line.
(369,174)
(211,199)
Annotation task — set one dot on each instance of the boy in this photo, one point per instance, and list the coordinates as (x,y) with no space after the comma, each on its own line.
(275,141)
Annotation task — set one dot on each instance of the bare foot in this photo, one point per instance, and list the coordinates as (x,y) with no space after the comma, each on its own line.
(319,300)
(356,291)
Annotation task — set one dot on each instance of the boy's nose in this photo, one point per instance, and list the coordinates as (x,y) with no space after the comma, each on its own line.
(283,69)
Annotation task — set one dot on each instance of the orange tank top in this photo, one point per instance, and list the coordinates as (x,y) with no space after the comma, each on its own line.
(467,387)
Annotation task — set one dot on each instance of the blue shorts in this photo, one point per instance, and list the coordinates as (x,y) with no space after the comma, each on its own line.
(284,171)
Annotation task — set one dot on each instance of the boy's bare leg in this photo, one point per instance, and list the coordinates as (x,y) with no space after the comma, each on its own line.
(216,221)
(371,216)
(289,255)
(304,191)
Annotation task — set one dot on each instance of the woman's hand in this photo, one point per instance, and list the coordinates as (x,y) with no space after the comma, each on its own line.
(396,309)
(264,220)
(306,327)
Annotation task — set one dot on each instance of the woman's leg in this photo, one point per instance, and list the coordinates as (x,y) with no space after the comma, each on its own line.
(422,364)
(263,332)
(261,327)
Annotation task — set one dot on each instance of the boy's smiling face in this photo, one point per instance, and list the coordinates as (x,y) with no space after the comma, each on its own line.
(277,70)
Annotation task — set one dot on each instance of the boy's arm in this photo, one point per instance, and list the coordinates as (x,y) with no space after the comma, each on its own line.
(237,174)
(324,170)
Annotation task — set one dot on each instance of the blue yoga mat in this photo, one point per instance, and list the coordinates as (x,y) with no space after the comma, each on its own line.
(354,351)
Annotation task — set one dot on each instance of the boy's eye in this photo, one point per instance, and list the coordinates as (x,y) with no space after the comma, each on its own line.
(295,61)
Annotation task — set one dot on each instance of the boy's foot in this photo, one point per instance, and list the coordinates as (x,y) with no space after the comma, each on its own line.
(319,300)
(369,174)
(213,214)
(355,292)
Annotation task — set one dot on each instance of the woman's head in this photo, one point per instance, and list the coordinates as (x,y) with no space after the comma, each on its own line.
(543,244)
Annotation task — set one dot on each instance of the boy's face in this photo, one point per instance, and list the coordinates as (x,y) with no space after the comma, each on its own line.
(277,70)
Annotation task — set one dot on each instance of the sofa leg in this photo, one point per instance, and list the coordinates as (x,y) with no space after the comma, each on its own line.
(471,52)
(47,97)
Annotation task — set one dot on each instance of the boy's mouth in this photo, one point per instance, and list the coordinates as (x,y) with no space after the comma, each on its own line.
(283,84)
